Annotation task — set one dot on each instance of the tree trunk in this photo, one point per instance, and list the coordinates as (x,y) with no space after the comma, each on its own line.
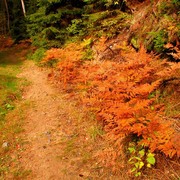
(7,11)
(23,7)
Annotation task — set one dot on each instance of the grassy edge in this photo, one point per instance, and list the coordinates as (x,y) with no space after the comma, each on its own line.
(12,111)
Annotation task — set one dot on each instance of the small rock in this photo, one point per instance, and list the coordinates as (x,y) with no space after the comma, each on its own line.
(81,175)
(84,174)
(5,145)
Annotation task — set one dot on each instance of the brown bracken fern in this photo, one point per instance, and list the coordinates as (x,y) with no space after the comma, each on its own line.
(123,95)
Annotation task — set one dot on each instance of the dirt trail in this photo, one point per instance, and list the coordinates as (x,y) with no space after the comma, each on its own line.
(43,129)
(62,139)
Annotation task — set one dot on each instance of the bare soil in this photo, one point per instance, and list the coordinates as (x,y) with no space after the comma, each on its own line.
(42,126)
(59,139)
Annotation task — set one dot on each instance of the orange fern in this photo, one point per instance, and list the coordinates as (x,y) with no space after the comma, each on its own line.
(121,94)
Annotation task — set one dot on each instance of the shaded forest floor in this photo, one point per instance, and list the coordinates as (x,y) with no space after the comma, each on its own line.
(47,135)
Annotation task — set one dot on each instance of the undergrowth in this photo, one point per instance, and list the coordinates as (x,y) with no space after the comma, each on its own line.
(126,97)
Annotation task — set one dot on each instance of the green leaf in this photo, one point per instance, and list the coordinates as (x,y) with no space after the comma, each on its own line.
(142,152)
(138,174)
(134,169)
(151,160)
(134,158)
(9,106)
(131,149)
(139,159)
(2,113)
(136,164)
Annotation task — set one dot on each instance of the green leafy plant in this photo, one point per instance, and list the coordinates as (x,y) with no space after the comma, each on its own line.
(9,106)
(140,158)
(88,53)
(160,38)
(38,54)
(47,26)
(75,27)
(163,8)
(176,3)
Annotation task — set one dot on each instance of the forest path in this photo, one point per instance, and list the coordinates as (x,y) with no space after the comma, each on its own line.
(62,139)
(43,126)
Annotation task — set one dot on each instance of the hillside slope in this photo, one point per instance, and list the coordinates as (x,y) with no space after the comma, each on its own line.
(132,92)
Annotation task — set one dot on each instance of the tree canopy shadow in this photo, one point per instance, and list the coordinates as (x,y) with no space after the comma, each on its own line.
(9,57)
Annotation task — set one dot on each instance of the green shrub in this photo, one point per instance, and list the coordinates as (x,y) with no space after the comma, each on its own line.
(75,27)
(38,54)
(140,158)
(160,38)
(176,3)
(169,7)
